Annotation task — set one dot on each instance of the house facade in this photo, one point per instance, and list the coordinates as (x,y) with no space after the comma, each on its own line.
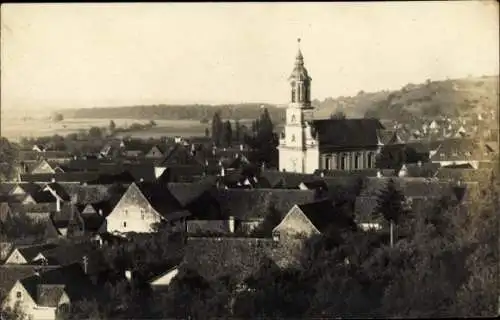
(307,145)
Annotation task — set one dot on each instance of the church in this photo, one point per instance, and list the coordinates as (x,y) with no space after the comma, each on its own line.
(309,144)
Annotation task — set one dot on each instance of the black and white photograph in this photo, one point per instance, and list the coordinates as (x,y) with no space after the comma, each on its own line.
(252,160)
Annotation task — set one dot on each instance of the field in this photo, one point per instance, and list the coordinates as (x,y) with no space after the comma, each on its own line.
(14,128)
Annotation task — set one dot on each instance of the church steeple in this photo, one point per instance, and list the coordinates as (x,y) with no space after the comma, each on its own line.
(300,82)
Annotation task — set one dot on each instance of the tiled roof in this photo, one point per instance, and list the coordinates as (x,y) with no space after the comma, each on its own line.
(43,197)
(459,149)
(87,193)
(123,177)
(257,203)
(67,254)
(160,198)
(284,180)
(29,252)
(49,295)
(322,215)
(179,155)
(187,192)
(60,177)
(427,170)
(347,133)
(10,273)
(59,190)
(478,175)
(76,284)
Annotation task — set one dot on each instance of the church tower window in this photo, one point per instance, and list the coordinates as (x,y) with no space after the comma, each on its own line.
(357,163)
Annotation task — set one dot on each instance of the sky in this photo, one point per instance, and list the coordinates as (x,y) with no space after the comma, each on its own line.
(88,55)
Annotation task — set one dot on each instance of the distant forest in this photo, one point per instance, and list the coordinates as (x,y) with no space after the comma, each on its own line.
(451,98)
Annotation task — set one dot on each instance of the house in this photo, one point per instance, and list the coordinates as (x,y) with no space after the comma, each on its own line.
(25,254)
(44,167)
(157,151)
(39,148)
(310,219)
(11,273)
(45,294)
(142,206)
(460,151)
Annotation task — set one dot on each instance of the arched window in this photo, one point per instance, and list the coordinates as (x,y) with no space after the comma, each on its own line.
(327,162)
(293,138)
(293,118)
(293,94)
(357,162)
(343,161)
(370,160)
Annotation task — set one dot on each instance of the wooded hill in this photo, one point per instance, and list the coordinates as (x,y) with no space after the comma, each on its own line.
(451,98)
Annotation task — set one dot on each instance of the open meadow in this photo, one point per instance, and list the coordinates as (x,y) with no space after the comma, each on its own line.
(14,128)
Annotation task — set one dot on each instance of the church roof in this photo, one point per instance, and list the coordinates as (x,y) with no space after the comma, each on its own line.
(347,133)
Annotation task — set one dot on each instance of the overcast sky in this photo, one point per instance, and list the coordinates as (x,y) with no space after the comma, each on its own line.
(86,55)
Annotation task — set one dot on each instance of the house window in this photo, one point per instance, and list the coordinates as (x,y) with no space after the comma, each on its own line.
(343,160)
(356,161)
(293,138)
(370,160)
(126,213)
(293,119)
(124,224)
(18,295)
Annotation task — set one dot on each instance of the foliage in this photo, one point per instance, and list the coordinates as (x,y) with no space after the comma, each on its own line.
(19,225)
(13,314)
(227,134)
(57,117)
(217,129)
(8,155)
(338,115)
(264,140)
(112,126)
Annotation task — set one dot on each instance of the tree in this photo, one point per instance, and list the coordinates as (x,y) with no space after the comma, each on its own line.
(95,132)
(391,206)
(8,156)
(237,131)
(228,134)
(217,129)
(338,115)
(112,126)
(57,117)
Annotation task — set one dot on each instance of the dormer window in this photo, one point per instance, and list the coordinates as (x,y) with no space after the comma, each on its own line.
(441,155)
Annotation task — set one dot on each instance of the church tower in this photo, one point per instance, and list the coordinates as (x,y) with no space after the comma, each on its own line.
(298,150)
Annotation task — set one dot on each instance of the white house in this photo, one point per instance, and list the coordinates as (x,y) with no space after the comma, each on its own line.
(142,206)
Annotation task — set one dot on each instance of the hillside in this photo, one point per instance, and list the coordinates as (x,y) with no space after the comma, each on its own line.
(451,98)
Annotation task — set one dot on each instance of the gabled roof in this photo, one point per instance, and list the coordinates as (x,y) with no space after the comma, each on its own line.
(458,149)
(43,197)
(10,273)
(29,252)
(76,283)
(252,204)
(60,177)
(346,133)
(104,178)
(322,215)
(59,190)
(30,188)
(179,155)
(67,254)
(49,295)
(160,198)
(185,193)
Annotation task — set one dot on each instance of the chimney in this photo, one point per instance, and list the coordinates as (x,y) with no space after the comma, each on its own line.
(53,180)
(241,147)
(58,204)
(379,174)
(128,275)
(322,174)
(214,151)
(100,212)
(177,139)
(231,224)
(419,163)
(222,172)
(141,180)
